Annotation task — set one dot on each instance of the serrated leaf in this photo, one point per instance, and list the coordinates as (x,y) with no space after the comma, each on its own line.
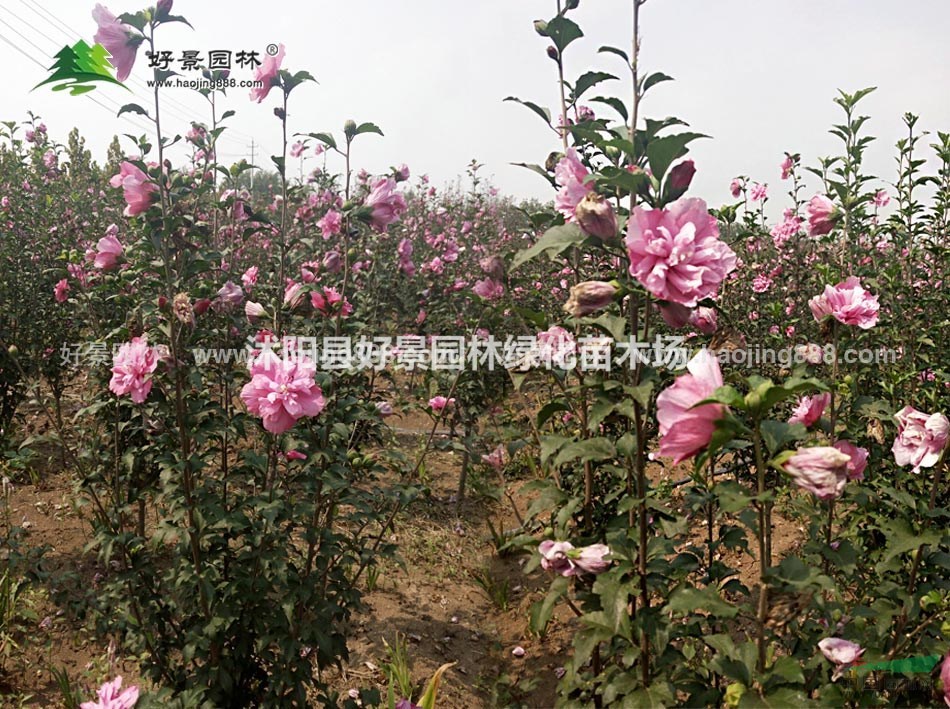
(614,50)
(588,80)
(616,104)
(654,79)
(591,450)
(661,152)
(368,128)
(544,113)
(133,108)
(562,32)
(686,599)
(553,242)
(542,611)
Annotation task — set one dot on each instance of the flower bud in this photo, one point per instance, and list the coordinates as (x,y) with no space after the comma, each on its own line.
(596,216)
(552,52)
(332,262)
(589,297)
(253,310)
(679,179)
(202,305)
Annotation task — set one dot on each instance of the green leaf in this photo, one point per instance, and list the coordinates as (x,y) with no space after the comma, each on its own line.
(910,665)
(777,434)
(656,696)
(553,242)
(654,79)
(661,152)
(788,669)
(562,32)
(686,599)
(542,611)
(618,177)
(782,698)
(432,689)
(588,80)
(368,128)
(132,108)
(902,538)
(544,113)
(614,50)
(324,138)
(616,104)
(593,449)
(549,409)
(538,169)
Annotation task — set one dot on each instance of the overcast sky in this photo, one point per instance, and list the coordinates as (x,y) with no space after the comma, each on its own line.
(759,77)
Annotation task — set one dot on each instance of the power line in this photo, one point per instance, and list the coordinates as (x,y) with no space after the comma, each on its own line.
(43,13)
(39,64)
(36,46)
(114,106)
(172,110)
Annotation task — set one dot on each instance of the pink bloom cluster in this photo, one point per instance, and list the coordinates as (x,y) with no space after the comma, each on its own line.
(848,303)
(136,188)
(132,368)
(676,253)
(686,429)
(440,403)
(108,251)
(118,39)
(281,391)
(569,175)
(859,459)
(489,289)
(809,409)
(111,696)
(821,215)
(497,458)
(921,438)
(386,203)
(821,470)
(268,73)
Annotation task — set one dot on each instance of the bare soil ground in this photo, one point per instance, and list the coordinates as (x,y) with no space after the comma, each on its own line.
(431,597)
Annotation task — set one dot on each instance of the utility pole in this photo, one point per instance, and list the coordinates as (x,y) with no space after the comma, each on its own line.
(252,163)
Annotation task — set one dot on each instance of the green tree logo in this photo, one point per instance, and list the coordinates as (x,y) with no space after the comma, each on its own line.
(78,67)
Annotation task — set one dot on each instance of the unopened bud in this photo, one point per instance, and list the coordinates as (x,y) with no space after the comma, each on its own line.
(589,297)
(596,216)
(679,179)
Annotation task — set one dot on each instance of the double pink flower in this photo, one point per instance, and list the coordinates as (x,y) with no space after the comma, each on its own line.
(676,253)
(132,368)
(281,391)
(686,429)
(848,303)
(386,204)
(921,438)
(267,73)
(569,175)
(119,40)
(137,188)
